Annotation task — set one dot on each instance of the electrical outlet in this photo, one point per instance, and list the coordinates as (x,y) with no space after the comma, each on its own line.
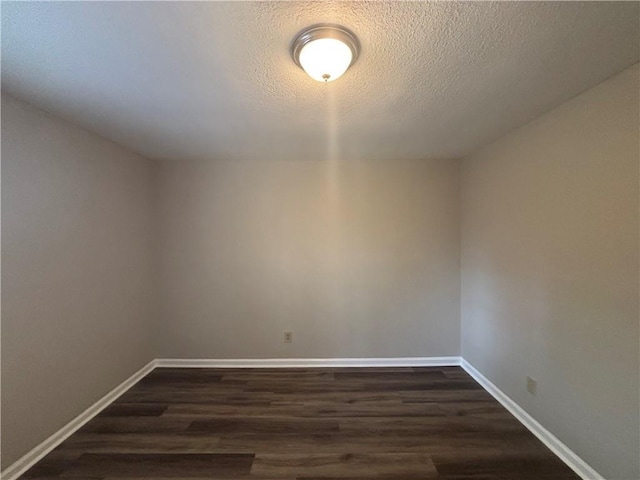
(288,337)
(532,385)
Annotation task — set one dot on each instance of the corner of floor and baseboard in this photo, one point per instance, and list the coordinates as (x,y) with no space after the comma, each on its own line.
(564,453)
(32,457)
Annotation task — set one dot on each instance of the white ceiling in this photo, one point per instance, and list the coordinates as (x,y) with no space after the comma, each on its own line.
(203,80)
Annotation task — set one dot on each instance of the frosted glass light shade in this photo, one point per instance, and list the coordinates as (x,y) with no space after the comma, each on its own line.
(325,59)
(325,51)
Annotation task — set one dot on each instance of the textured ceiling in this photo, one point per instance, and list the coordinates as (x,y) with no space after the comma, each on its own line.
(203,80)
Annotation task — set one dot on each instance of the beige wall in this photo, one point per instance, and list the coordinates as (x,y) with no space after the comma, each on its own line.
(76,237)
(550,271)
(357,259)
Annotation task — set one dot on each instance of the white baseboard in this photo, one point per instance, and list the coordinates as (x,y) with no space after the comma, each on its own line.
(31,458)
(309,362)
(556,446)
(563,452)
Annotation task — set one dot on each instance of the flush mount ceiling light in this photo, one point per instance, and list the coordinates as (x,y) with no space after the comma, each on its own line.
(325,51)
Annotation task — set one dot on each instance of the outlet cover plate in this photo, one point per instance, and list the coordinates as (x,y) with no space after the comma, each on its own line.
(532,385)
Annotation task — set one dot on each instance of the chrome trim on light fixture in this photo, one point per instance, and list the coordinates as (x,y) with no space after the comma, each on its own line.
(325,30)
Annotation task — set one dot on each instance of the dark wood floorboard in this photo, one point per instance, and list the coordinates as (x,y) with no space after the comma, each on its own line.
(303,424)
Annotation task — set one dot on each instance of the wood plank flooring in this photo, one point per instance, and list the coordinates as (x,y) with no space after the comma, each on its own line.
(304,424)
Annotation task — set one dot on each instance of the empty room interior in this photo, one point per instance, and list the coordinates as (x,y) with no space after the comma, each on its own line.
(320,240)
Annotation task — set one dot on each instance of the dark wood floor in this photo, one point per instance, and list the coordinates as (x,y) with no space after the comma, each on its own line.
(304,424)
